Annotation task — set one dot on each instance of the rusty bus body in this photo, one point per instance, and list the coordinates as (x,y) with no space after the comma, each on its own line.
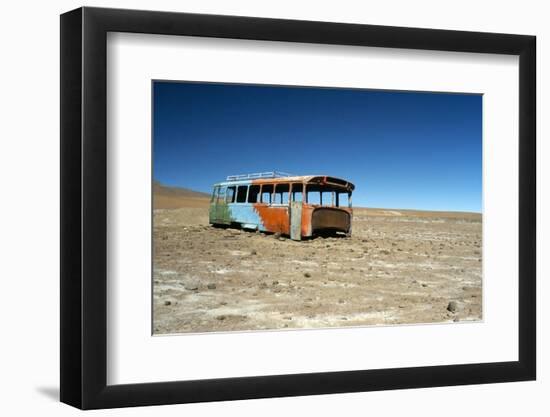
(298,206)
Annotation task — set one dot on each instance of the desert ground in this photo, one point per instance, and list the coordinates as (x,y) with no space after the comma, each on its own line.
(399,267)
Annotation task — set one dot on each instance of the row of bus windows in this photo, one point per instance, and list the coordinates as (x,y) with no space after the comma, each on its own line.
(281,194)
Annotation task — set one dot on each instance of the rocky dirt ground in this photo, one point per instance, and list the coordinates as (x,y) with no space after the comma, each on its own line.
(399,267)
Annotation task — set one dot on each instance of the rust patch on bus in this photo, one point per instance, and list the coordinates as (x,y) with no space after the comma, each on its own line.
(274,219)
(307,210)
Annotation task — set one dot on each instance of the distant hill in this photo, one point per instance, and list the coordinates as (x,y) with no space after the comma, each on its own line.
(165,197)
(160,189)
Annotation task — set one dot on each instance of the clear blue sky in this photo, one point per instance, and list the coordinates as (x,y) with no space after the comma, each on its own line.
(400,149)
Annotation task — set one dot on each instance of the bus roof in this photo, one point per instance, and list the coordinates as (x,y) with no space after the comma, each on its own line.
(308,179)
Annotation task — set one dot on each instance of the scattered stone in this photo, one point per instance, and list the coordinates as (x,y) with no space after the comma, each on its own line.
(424,285)
(253,252)
(341,301)
(220,317)
(275,283)
(167,303)
(452,306)
(191,287)
(385,252)
(276,235)
(307,275)
(211,286)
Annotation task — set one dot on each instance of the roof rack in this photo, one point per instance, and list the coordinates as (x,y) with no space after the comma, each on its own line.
(257,175)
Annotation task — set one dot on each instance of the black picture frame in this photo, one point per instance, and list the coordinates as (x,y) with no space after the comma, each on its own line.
(84,207)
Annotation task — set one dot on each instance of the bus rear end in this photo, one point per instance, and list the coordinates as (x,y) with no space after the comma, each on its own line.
(327,207)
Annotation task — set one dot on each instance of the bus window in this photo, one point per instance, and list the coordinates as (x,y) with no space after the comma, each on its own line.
(230,198)
(327,198)
(343,200)
(241,193)
(253,192)
(221,195)
(214,194)
(267,192)
(297,192)
(313,195)
(281,193)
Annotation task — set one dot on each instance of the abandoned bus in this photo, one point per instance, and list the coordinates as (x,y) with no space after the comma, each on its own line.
(299,206)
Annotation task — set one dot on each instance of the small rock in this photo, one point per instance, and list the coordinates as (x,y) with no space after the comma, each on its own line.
(191,287)
(211,286)
(424,285)
(275,282)
(167,303)
(253,252)
(385,252)
(307,275)
(277,235)
(452,306)
(220,317)
(341,301)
